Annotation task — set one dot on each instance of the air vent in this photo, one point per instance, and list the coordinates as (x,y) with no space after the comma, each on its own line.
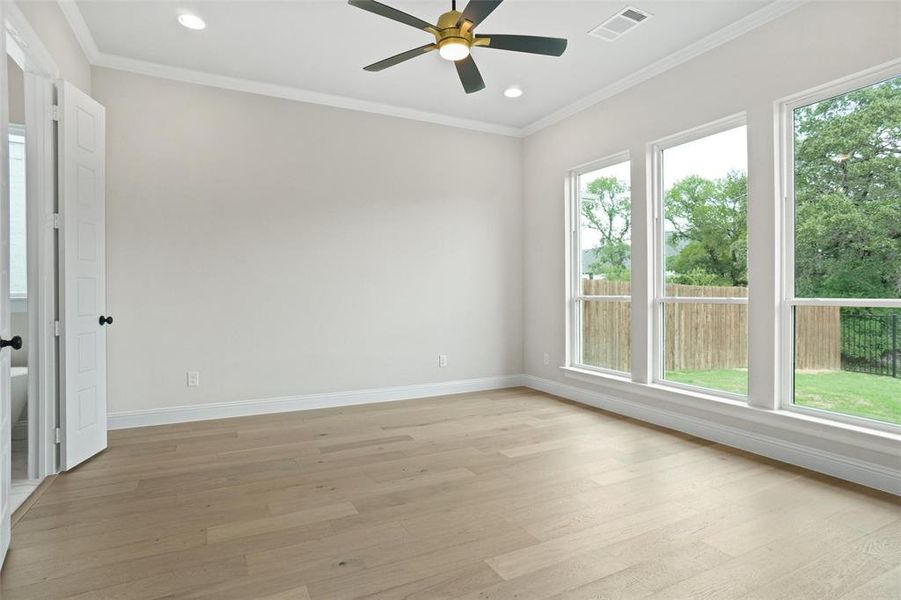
(618,24)
(637,16)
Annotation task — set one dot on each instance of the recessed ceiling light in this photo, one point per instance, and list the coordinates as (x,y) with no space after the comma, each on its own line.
(191,21)
(514,91)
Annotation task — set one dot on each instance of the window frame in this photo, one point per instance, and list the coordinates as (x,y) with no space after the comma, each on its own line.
(657,263)
(786,174)
(575,298)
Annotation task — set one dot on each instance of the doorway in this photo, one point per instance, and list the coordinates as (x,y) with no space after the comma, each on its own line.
(32,286)
(52,246)
(23,480)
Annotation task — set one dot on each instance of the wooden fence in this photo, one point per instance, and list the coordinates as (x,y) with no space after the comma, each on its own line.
(699,336)
(819,338)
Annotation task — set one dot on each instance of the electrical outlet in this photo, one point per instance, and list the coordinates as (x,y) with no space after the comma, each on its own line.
(547,358)
(442,360)
(193,378)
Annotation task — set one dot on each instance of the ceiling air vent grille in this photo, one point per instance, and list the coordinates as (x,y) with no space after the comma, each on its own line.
(618,24)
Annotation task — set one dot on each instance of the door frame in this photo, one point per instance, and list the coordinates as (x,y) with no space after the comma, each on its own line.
(28,51)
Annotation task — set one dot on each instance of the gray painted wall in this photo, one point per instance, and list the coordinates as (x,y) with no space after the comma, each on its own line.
(283,248)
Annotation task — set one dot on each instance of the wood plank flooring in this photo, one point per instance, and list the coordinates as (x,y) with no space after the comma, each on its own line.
(504,494)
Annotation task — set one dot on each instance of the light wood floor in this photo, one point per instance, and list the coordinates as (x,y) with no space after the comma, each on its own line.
(506,494)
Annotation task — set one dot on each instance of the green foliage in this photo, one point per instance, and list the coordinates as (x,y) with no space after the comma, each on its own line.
(708,220)
(868,335)
(606,208)
(848,195)
(847,207)
(697,276)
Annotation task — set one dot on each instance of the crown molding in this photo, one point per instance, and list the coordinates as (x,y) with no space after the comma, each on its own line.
(97,58)
(141,67)
(770,12)
(80,28)
(72,13)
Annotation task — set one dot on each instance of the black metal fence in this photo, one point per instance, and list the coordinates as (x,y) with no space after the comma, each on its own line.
(870,343)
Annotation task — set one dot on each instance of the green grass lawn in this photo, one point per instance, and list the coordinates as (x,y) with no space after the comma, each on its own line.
(873,396)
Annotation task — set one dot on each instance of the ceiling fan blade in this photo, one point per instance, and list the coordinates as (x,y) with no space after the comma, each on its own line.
(526,43)
(391,13)
(469,75)
(399,58)
(477,10)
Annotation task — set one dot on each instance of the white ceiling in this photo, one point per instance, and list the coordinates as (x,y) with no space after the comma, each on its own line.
(321,46)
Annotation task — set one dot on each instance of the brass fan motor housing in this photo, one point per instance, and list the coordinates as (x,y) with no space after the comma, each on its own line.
(447,31)
(455,38)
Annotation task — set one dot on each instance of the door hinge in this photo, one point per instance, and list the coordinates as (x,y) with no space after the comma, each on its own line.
(56,328)
(54,112)
(56,437)
(55,220)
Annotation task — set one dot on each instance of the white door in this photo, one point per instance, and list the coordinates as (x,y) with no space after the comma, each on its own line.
(82,155)
(5,400)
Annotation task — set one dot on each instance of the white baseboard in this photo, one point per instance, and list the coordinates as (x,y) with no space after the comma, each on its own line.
(243,408)
(815,459)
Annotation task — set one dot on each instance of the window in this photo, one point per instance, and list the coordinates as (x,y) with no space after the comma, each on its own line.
(18,266)
(701,259)
(602,218)
(843,277)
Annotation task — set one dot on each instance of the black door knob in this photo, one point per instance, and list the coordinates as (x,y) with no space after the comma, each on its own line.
(106,320)
(15,343)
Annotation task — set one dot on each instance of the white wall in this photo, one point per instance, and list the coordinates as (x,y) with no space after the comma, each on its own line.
(283,248)
(47,20)
(16,86)
(812,45)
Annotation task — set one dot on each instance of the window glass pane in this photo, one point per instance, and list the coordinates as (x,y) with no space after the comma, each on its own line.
(605,334)
(848,195)
(706,345)
(705,200)
(18,267)
(848,360)
(605,223)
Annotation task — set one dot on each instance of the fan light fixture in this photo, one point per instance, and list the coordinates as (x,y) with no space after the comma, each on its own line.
(455,38)
(453,49)
(191,21)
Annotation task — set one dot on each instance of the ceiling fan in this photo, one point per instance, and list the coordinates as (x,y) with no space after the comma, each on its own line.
(454,38)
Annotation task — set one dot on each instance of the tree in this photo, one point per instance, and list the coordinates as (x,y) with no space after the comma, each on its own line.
(848,195)
(606,208)
(708,223)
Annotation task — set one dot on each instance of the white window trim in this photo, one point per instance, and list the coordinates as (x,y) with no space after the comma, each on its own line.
(659,298)
(574,244)
(785,161)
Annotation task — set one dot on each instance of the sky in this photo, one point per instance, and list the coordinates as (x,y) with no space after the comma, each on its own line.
(710,157)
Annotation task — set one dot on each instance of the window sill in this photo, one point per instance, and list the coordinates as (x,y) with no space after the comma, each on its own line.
(680,395)
(593,376)
(878,440)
